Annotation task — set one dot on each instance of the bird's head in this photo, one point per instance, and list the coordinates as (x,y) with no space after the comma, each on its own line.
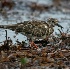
(54,22)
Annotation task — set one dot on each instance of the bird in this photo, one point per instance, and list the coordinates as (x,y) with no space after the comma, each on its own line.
(34,29)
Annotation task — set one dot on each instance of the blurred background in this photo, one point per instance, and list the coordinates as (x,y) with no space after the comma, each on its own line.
(15,11)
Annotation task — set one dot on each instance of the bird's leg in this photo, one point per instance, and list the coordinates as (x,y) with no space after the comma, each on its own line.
(33,45)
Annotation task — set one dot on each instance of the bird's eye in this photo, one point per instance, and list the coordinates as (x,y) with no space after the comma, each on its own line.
(52,21)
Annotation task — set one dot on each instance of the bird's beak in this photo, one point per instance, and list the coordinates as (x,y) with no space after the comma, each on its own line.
(59,26)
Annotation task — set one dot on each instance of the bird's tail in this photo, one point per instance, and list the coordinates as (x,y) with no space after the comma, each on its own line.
(8,26)
(3,26)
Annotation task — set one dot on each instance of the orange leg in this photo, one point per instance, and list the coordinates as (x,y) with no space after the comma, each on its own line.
(33,44)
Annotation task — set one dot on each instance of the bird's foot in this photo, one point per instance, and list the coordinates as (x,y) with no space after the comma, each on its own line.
(33,45)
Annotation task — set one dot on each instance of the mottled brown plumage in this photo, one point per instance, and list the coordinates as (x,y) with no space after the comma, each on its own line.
(34,29)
